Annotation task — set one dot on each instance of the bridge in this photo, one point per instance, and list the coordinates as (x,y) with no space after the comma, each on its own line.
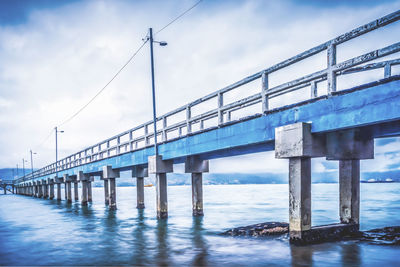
(6,185)
(339,125)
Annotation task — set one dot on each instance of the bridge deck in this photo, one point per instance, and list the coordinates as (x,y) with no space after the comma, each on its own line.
(375,106)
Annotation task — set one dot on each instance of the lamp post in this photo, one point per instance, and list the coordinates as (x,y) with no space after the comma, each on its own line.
(56,132)
(32,153)
(150,38)
(17,171)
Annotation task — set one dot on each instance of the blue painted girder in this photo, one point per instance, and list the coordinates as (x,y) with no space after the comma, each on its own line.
(375,105)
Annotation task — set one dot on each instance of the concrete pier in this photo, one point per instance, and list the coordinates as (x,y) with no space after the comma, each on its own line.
(110,174)
(349,147)
(83,179)
(58,182)
(160,168)
(65,190)
(140,173)
(349,190)
(296,143)
(40,189)
(45,189)
(67,181)
(196,167)
(51,184)
(106,192)
(299,196)
(76,192)
(89,188)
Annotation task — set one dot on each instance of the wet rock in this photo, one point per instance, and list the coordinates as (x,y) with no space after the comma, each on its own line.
(383,236)
(260,229)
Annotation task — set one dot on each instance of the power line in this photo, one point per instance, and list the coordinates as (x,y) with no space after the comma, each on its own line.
(118,72)
(178,17)
(105,86)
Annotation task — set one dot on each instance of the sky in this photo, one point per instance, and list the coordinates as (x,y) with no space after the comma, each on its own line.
(56,55)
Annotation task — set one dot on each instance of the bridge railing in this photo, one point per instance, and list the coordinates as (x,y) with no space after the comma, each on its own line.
(143,136)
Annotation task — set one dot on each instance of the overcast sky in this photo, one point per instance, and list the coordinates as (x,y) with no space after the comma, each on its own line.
(56,55)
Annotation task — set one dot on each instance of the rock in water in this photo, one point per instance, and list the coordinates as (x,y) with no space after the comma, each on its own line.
(260,229)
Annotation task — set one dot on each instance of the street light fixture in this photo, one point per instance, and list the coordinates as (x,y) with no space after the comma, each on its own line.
(162,43)
(56,132)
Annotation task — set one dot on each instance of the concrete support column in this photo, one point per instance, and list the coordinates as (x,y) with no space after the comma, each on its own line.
(40,190)
(140,172)
(196,167)
(83,178)
(84,193)
(45,190)
(106,194)
(65,191)
(140,192)
(161,195)
(296,143)
(349,147)
(349,190)
(51,181)
(110,174)
(113,195)
(299,196)
(89,189)
(59,191)
(160,168)
(69,192)
(76,192)
(197,194)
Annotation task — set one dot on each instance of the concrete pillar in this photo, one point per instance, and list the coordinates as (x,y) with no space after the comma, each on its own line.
(40,189)
(106,195)
(76,192)
(13,189)
(69,192)
(89,189)
(5,190)
(140,192)
(161,195)
(140,172)
(349,147)
(83,179)
(67,181)
(45,189)
(196,167)
(65,191)
(296,143)
(160,168)
(113,195)
(299,196)
(110,174)
(349,190)
(59,191)
(51,181)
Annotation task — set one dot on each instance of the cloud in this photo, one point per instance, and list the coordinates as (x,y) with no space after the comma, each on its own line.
(56,60)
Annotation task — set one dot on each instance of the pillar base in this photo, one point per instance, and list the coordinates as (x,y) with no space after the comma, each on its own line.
(162,214)
(198,213)
(323,233)
(140,206)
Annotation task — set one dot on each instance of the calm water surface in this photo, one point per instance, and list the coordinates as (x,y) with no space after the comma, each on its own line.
(44,232)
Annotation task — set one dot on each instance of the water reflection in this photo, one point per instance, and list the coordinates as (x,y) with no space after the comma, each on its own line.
(163,251)
(140,242)
(301,255)
(199,243)
(351,254)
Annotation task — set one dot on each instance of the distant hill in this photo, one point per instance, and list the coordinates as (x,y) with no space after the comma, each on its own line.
(236,178)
